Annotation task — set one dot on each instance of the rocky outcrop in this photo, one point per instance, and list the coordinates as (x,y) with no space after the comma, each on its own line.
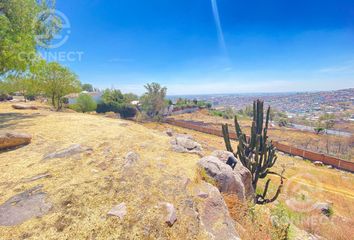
(24,107)
(13,139)
(214,215)
(240,170)
(185,144)
(318,163)
(234,181)
(68,152)
(24,206)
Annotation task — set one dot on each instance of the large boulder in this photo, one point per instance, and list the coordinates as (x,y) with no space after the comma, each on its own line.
(185,144)
(239,170)
(227,181)
(13,139)
(24,107)
(214,215)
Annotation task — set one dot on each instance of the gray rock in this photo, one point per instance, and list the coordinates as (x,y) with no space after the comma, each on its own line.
(67,152)
(298,157)
(185,144)
(224,176)
(131,158)
(203,195)
(214,215)
(318,163)
(13,139)
(171,216)
(24,206)
(37,177)
(118,211)
(240,171)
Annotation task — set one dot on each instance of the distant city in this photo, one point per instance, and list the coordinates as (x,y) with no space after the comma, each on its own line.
(302,103)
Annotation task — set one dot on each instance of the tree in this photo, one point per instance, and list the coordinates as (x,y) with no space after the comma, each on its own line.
(56,81)
(129,97)
(85,103)
(153,101)
(19,25)
(87,87)
(112,95)
(327,120)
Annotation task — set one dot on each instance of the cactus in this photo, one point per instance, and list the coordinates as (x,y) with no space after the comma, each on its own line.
(256,152)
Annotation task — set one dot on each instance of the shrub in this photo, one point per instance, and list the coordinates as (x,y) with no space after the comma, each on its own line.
(125,110)
(85,103)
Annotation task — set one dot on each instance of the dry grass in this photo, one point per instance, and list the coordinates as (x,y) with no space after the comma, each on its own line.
(319,184)
(83,189)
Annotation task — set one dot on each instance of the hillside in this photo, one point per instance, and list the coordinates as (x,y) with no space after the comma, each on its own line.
(83,188)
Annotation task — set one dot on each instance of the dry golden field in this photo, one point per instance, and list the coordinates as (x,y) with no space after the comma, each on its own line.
(82,189)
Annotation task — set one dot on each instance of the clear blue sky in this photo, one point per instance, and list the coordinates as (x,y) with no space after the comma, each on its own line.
(262,46)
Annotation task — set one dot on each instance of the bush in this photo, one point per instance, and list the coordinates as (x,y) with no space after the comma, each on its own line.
(30,97)
(125,110)
(85,103)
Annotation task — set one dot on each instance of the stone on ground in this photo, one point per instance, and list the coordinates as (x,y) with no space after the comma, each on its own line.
(24,206)
(13,139)
(118,211)
(131,158)
(171,216)
(68,152)
(24,107)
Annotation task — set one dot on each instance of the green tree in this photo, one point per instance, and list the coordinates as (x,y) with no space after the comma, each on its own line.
(19,25)
(153,101)
(112,95)
(87,87)
(129,97)
(56,81)
(85,103)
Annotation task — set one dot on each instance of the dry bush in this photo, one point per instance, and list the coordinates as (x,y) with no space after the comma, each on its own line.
(250,226)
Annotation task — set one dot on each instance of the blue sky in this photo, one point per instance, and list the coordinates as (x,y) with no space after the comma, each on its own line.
(262,46)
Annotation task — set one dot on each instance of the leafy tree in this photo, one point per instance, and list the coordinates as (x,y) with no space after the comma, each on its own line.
(87,87)
(153,101)
(112,95)
(85,103)
(129,97)
(19,25)
(327,120)
(56,81)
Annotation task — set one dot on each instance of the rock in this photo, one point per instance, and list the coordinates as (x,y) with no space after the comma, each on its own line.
(324,207)
(169,132)
(329,166)
(318,163)
(112,115)
(240,171)
(131,158)
(171,216)
(24,206)
(13,139)
(226,180)
(298,157)
(214,215)
(37,177)
(184,144)
(24,107)
(118,211)
(68,152)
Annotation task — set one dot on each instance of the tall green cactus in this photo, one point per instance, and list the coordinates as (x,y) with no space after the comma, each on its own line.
(256,153)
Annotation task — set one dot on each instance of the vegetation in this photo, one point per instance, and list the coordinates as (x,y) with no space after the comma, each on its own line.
(186,103)
(153,102)
(256,153)
(87,87)
(114,101)
(18,31)
(85,103)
